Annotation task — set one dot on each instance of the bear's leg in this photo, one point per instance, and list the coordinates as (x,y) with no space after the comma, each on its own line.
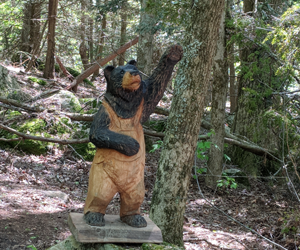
(101,190)
(131,201)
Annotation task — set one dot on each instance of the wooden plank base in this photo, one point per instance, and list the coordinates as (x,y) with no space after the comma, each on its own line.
(114,231)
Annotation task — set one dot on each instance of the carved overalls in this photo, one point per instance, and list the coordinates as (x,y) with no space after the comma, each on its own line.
(113,172)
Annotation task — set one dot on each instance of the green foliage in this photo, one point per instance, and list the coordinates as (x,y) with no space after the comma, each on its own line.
(11,25)
(32,247)
(202,148)
(39,81)
(76,73)
(32,126)
(291,223)
(227,182)
(156,146)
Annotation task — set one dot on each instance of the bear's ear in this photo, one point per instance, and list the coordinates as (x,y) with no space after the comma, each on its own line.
(107,71)
(132,62)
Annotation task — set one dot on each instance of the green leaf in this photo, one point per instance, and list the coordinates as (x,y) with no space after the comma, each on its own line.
(32,247)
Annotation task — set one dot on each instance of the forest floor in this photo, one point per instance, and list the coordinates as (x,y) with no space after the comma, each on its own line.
(38,192)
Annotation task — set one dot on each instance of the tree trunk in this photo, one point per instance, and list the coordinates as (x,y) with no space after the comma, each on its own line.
(253,103)
(36,48)
(83,51)
(91,39)
(123,31)
(177,156)
(101,45)
(219,96)
(35,23)
(25,45)
(233,85)
(49,65)
(146,34)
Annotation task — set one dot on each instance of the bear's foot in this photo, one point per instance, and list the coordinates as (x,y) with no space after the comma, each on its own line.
(94,219)
(134,220)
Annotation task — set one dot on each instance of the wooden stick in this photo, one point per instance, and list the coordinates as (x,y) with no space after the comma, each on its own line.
(101,63)
(64,70)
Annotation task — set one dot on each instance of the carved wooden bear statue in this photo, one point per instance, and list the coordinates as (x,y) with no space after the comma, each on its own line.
(116,131)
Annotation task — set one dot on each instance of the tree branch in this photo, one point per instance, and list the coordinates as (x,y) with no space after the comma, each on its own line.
(39,138)
(20,105)
(101,63)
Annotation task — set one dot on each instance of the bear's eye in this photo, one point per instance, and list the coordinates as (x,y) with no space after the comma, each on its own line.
(122,72)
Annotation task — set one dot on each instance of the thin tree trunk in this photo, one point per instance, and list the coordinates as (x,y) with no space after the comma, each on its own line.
(83,51)
(219,96)
(123,31)
(91,39)
(49,65)
(233,85)
(101,45)
(177,156)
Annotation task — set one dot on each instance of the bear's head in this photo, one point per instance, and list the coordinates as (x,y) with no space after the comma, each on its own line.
(123,81)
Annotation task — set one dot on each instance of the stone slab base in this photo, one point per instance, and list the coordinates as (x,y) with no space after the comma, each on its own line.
(114,231)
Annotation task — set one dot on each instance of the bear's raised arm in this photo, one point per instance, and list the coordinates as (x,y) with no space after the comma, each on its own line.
(102,137)
(156,84)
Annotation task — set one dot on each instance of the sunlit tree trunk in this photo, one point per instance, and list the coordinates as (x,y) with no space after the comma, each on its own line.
(146,32)
(218,105)
(49,65)
(177,156)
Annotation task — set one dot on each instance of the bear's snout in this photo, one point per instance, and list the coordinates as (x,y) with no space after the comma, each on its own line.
(131,80)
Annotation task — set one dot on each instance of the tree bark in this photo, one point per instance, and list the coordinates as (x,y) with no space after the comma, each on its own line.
(101,45)
(233,85)
(123,31)
(253,103)
(177,156)
(25,45)
(36,48)
(146,33)
(83,51)
(49,65)
(219,96)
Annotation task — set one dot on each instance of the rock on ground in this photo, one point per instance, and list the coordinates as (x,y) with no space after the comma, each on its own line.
(8,83)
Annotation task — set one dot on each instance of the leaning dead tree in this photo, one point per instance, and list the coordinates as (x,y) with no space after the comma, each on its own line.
(100,63)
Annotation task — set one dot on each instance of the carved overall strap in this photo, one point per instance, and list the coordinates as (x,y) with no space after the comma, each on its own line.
(117,120)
